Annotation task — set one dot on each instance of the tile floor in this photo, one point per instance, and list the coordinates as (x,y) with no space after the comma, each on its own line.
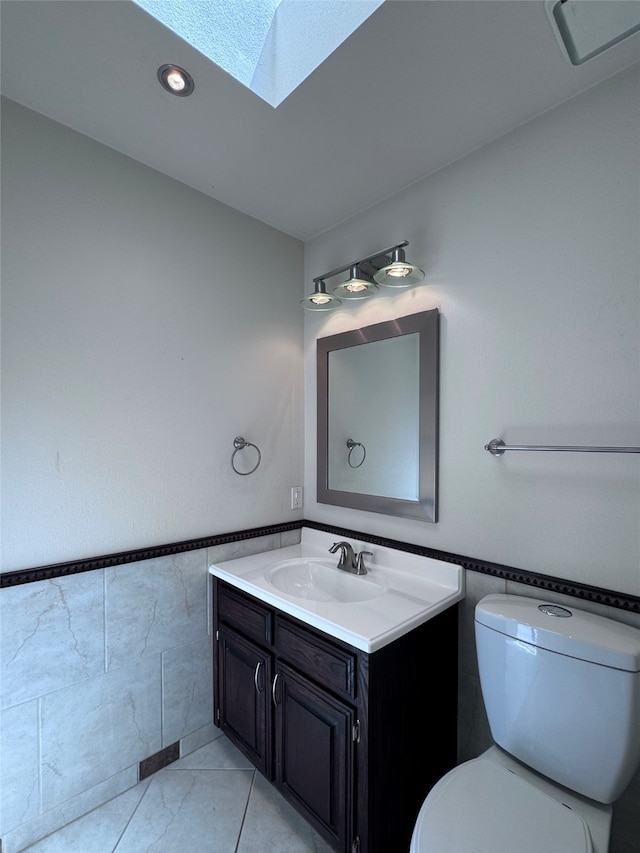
(211,801)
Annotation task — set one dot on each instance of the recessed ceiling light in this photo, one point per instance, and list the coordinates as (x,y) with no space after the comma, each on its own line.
(175,80)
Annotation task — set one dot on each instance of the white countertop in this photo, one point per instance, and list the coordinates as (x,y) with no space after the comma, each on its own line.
(416,589)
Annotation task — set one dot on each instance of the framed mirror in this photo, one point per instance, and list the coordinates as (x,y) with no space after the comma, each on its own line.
(378,417)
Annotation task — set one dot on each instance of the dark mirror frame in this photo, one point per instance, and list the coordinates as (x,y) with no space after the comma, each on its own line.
(427,325)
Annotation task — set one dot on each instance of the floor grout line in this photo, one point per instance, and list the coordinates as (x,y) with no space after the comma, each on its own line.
(244,815)
(136,807)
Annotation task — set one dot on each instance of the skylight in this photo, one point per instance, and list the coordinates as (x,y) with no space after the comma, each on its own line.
(270,46)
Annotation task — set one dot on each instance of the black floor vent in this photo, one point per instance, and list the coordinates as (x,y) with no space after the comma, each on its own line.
(158,760)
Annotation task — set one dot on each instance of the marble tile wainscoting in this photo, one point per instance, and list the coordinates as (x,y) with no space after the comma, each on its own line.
(98,671)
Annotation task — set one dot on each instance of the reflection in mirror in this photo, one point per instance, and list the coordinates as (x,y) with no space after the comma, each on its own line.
(378,417)
(384,458)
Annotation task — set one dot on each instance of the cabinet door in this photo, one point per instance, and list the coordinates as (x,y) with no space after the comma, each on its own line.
(314,754)
(244,679)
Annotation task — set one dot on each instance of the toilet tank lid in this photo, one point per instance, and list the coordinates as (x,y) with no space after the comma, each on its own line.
(566,630)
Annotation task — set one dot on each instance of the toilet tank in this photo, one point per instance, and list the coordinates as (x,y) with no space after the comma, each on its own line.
(562,691)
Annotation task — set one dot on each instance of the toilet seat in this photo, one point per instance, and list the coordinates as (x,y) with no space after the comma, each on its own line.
(481,806)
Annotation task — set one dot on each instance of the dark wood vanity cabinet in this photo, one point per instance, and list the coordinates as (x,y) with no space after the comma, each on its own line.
(245,707)
(314,754)
(354,741)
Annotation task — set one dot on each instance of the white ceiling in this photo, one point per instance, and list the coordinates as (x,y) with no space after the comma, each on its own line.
(419,85)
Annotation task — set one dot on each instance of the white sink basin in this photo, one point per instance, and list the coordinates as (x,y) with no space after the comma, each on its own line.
(319,580)
(400,591)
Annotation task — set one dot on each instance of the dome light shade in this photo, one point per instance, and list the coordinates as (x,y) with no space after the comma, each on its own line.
(357,286)
(320,300)
(399,273)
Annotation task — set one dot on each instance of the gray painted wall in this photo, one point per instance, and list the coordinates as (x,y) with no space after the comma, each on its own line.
(530,247)
(144,326)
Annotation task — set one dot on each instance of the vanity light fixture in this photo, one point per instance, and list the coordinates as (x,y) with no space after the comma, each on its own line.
(387,267)
(176,80)
(358,286)
(399,273)
(320,300)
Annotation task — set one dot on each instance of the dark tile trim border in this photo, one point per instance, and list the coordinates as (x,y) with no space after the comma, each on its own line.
(544,582)
(74,567)
(595,594)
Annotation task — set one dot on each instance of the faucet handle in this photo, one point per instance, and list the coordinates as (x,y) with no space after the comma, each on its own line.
(361,569)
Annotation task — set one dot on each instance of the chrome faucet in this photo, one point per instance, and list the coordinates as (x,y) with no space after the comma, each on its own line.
(350,561)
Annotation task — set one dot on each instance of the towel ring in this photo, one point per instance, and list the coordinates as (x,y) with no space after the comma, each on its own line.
(239,443)
(351,444)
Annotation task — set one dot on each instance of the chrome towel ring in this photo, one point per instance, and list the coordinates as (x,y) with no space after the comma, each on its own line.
(239,443)
(351,444)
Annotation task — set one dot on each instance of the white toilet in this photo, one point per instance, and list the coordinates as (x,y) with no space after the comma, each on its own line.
(562,692)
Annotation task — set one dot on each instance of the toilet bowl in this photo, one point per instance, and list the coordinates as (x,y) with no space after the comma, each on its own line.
(561,688)
(493,804)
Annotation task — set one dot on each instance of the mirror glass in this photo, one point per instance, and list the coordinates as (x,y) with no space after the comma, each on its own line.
(378,417)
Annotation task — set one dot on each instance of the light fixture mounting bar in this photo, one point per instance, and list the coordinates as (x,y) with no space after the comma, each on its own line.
(383,255)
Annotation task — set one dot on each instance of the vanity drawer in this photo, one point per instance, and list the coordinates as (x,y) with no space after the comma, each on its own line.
(245,614)
(331,666)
